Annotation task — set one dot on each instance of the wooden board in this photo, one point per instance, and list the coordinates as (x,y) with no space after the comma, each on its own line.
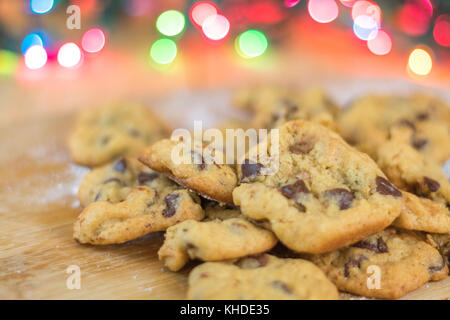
(38,205)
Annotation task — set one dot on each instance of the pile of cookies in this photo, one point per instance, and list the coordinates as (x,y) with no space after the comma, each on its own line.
(359,202)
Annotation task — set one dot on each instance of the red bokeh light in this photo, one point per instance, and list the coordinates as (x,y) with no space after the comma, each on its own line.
(348,3)
(381,44)
(261,12)
(441,31)
(414,17)
(201,11)
(93,40)
(290,3)
(323,11)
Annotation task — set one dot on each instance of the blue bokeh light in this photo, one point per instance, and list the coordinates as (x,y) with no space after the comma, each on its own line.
(365,27)
(32,39)
(41,6)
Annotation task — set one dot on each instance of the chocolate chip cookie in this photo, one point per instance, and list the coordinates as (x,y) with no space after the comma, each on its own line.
(213,240)
(325,194)
(143,211)
(260,277)
(114,181)
(103,134)
(412,171)
(208,178)
(367,122)
(423,215)
(442,244)
(401,260)
(274,106)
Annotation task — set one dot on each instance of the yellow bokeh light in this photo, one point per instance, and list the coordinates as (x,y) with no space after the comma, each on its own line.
(420,62)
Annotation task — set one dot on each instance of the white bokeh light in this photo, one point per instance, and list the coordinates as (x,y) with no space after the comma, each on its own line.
(35,57)
(216,27)
(69,55)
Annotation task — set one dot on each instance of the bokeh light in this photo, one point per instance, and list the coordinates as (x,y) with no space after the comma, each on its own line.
(251,44)
(380,44)
(8,62)
(441,31)
(420,62)
(69,55)
(290,3)
(365,27)
(93,40)
(41,6)
(201,11)
(348,3)
(35,57)
(323,11)
(216,27)
(415,16)
(170,23)
(367,8)
(33,39)
(163,51)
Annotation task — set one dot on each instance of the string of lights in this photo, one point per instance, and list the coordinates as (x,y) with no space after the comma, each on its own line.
(249,24)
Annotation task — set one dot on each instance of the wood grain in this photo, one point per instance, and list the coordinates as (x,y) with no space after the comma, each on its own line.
(37,208)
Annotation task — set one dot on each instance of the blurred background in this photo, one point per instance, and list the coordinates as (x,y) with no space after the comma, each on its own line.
(59,55)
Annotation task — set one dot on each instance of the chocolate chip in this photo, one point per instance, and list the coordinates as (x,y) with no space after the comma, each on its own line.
(120,165)
(406,123)
(290,191)
(114,180)
(251,262)
(171,201)
(354,261)
(198,160)
(433,269)
(343,196)
(281,285)
(290,105)
(304,146)
(386,188)
(97,197)
(204,275)
(195,198)
(105,140)
(432,185)
(208,203)
(418,143)
(134,132)
(379,247)
(300,207)
(144,177)
(422,116)
(250,169)
(190,246)
(262,259)
(275,117)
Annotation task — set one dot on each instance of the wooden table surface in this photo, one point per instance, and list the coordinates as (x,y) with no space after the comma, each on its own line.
(38,206)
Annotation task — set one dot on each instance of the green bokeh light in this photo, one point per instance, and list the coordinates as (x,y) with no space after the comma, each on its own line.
(251,44)
(163,51)
(170,23)
(8,62)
